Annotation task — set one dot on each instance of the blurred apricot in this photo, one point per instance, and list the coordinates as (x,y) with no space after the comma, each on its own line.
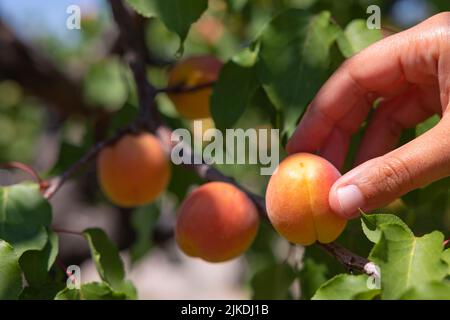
(192,72)
(216,222)
(134,171)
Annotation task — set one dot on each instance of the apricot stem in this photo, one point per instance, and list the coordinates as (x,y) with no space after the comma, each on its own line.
(28,169)
(65,231)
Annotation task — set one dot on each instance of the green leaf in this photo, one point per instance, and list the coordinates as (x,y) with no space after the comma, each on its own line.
(106,257)
(45,292)
(100,291)
(312,276)
(273,282)
(181,180)
(123,117)
(22,203)
(177,15)
(11,94)
(427,125)
(10,274)
(406,261)
(247,57)
(143,7)
(434,290)
(68,154)
(236,5)
(106,85)
(51,249)
(356,37)
(24,214)
(232,94)
(143,221)
(68,294)
(446,258)
(346,287)
(127,288)
(95,291)
(294,59)
(36,264)
(266,108)
(371,225)
(426,196)
(24,237)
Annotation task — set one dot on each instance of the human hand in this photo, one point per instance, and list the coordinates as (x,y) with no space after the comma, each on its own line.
(410,71)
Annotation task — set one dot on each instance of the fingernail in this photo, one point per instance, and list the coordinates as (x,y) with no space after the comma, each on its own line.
(350,199)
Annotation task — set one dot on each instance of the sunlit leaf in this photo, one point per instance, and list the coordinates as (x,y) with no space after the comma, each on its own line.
(356,37)
(446,258)
(177,15)
(294,59)
(100,291)
(68,294)
(371,225)
(407,261)
(24,214)
(10,274)
(434,290)
(106,256)
(106,85)
(346,287)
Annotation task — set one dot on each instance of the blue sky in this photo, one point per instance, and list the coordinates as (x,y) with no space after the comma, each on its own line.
(40,17)
(409,12)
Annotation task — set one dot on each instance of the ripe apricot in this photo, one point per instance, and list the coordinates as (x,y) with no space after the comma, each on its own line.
(297,200)
(216,222)
(192,72)
(134,171)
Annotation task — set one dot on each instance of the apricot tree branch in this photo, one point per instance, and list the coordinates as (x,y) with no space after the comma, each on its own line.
(204,171)
(39,76)
(135,55)
(350,260)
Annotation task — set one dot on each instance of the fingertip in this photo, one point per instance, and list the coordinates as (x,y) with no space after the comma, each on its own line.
(346,200)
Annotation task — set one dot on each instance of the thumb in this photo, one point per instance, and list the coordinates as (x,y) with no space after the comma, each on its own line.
(381,180)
